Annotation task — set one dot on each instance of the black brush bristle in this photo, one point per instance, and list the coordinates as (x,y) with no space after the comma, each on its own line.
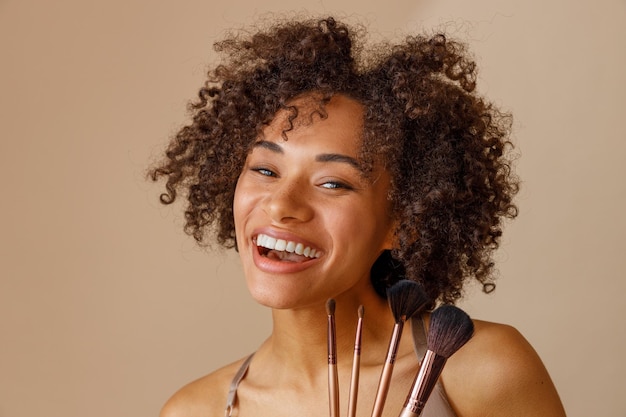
(450,328)
(330,307)
(406,298)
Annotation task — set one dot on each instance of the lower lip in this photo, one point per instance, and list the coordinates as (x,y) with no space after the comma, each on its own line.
(279,267)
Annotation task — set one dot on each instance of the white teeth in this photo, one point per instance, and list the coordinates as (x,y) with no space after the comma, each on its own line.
(280,245)
(288,246)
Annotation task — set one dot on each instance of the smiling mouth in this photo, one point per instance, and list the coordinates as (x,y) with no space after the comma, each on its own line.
(285,250)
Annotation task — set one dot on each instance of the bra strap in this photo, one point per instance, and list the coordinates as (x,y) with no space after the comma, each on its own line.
(232,392)
(419,336)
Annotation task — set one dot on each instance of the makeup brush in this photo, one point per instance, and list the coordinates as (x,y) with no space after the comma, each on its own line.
(333,379)
(450,329)
(406,298)
(356,365)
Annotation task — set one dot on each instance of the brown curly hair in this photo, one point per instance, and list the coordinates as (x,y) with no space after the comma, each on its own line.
(446,148)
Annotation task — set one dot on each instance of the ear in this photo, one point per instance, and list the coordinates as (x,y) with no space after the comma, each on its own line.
(391,239)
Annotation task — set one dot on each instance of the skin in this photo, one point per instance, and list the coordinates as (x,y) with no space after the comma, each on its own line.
(310,189)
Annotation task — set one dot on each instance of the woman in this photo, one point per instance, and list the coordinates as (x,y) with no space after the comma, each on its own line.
(335,173)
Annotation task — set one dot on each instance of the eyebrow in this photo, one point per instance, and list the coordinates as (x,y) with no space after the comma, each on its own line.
(270,146)
(324,157)
(336,157)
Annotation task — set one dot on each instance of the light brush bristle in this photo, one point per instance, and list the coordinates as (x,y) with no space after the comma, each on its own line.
(406,298)
(361,312)
(450,328)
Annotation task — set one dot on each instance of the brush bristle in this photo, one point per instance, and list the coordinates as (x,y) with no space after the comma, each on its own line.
(361,312)
(330,306)
(406,298)
(450,328)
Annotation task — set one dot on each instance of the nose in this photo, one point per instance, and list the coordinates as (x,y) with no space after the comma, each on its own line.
(288,201)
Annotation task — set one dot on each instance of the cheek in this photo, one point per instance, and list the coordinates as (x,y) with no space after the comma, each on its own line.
(245,200)
(239,204)
(357,225)
(371,226)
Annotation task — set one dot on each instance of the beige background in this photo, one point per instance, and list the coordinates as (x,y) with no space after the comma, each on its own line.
(106,307)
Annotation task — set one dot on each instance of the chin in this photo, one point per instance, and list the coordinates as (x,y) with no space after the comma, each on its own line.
(280,299)
(275,303)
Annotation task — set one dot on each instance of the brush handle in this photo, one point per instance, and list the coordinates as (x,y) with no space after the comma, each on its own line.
(356,366)
(385,376)
(425,381)
(333,391)
(333,378)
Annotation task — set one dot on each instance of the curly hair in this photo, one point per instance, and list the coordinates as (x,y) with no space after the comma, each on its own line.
(446,148)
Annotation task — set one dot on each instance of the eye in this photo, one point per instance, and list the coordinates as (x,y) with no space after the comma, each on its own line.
(264,171)
(336,185)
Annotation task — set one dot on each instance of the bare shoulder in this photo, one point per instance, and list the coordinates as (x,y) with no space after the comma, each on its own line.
(205,396)
(498,373)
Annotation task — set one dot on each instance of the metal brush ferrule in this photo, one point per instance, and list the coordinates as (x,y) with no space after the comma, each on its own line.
(333,380)
(425,381)
(385,377)
(332,344)
(394,343)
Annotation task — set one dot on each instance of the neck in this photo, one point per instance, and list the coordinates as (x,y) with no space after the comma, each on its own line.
(299,337)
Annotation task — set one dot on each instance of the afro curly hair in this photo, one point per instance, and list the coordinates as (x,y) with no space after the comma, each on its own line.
(447,149)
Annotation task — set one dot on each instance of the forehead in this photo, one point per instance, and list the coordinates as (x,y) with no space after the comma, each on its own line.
(340,116)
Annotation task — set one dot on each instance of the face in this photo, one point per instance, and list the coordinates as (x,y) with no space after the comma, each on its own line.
(309,223)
